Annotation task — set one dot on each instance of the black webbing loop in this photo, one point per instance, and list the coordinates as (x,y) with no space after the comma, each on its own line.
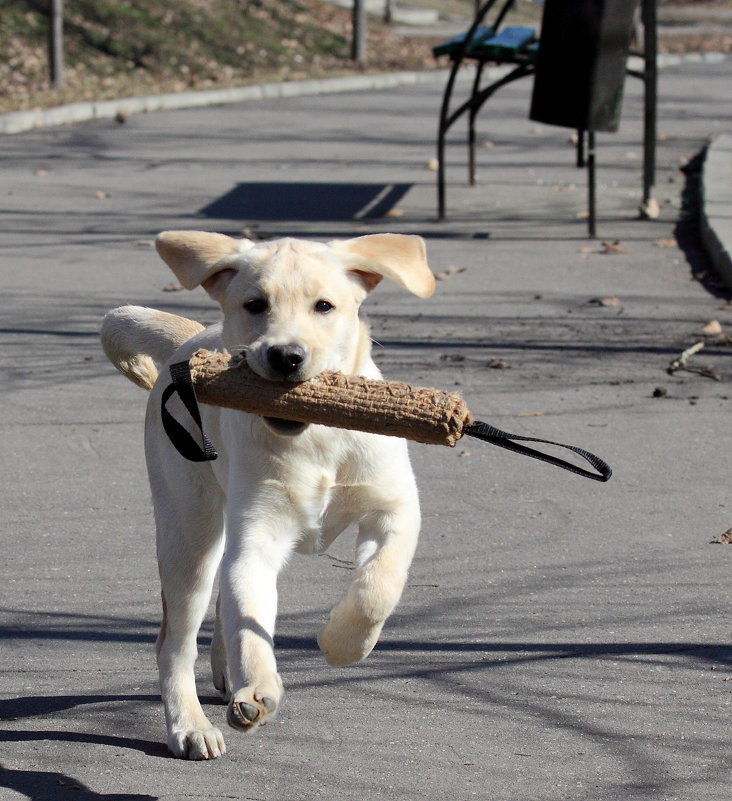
(184,443)
(495,436)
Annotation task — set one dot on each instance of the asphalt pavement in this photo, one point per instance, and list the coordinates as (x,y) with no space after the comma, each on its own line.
(559,638)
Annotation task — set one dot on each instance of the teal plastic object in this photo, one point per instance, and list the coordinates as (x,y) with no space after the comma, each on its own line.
(453,45)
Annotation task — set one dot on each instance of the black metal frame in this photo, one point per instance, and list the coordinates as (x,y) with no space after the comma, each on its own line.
(649,76)
(525,66)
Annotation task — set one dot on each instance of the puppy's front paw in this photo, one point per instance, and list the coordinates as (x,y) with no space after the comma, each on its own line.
(254,706)
(202,743)
(346,639)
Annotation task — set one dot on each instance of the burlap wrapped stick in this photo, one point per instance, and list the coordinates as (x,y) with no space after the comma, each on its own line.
(378,407)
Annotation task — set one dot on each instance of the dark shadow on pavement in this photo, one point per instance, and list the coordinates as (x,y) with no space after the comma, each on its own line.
(688,229)
(720,654)
(308,202)
(147,747)
(39,785)
(32,705)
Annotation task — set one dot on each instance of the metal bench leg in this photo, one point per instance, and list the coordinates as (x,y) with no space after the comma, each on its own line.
(441,174)
(591,206)
(650,80)
(471,124)
(441,134)
(445,121)
(442,129)
(581,148)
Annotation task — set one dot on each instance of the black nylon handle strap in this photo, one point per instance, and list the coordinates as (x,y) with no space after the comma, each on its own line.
(495,436)
(183,442)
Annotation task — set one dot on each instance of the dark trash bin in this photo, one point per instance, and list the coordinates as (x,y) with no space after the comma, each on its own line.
(581,64)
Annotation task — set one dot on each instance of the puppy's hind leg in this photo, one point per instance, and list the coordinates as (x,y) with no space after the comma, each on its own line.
(190,543)
(219,671)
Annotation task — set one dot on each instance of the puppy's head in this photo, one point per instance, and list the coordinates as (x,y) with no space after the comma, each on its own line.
(291,307)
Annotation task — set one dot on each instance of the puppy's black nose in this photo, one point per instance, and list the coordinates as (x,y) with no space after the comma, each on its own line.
(285,359)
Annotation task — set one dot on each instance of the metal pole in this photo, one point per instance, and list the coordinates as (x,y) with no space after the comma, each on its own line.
(591,191)
(358,45)
(581,148)
(56,44)
(650,78)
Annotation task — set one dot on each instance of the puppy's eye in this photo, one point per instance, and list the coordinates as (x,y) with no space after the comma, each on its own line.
(256,306)
(323,306)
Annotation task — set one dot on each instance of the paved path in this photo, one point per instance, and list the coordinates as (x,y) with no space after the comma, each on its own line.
(559,639)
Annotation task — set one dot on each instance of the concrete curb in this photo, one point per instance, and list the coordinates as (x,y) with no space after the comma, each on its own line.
(716,214)
(401,13)
(674,59)
(19,121)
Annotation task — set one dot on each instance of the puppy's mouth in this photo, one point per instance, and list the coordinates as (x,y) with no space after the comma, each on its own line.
(271,370)
(278,425)
(285,428)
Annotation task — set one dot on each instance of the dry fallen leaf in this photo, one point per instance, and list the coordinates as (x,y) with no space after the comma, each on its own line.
(666,243)
(613,247)
(394,213)
(712,328)
(41,172)
(172,288)
(582,215)
(444,275)
(101,195)
(650,210)
(724,539)
(564,188)
(433,164)
(610,301)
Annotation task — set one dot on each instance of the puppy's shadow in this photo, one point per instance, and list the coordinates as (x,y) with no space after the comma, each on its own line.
(43,706)
(38,785)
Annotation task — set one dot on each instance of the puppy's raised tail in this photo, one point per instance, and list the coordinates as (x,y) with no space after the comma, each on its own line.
(137,340)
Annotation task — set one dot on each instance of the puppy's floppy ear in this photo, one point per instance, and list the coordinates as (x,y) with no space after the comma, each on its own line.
(197,257)
(401,257)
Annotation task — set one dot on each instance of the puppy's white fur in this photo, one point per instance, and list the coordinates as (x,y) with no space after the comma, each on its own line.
(274,488)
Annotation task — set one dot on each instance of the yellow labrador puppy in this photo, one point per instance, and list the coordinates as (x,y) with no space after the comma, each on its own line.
(291,308)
